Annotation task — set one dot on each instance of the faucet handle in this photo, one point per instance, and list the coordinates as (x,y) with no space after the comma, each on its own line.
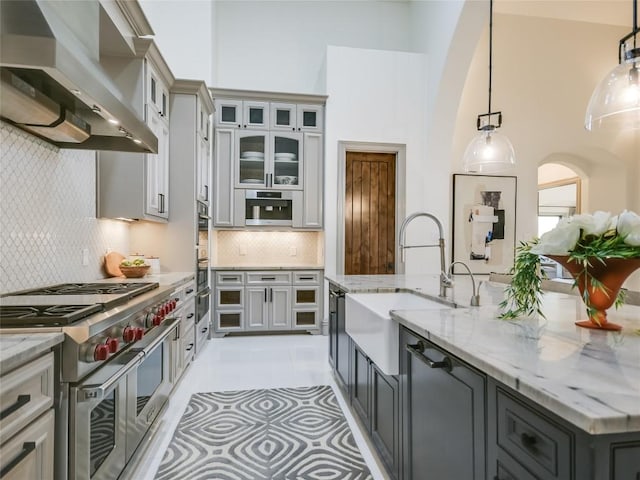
(446,280)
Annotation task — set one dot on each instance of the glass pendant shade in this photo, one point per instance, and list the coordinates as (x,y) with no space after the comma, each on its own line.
(489,152)
(615,102)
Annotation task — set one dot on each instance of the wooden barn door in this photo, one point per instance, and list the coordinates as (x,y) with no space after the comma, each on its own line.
(370,207)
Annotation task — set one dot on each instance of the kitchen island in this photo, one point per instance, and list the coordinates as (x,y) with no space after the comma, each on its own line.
(585,382)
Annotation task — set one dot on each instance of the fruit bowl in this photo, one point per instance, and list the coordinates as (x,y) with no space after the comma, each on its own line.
(135,272)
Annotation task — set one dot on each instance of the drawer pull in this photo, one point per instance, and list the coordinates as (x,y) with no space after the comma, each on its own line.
(306,278)
(188,349)
(230,279)
(189,291)
(21,401)
(27,448)
(264,279)
(190,315)
(417,349)
(529,441)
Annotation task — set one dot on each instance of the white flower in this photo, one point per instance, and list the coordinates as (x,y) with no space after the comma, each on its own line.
(629,228)
(558,241)
(595,224)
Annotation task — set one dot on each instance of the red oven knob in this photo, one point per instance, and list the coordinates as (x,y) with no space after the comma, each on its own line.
(157,320)
(112,344)
(174,303)
(139,333)
(129,334)
(101,352)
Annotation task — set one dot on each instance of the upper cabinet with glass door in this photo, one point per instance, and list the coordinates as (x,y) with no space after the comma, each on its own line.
(242,114)
(296,117)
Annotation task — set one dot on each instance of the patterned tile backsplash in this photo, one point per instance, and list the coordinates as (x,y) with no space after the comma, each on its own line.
(47,214)
(271,249)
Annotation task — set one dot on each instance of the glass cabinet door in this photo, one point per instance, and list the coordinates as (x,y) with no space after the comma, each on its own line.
(310,118)
(255,115)
(283,116)
(287,160)
(252,159)
(228,113)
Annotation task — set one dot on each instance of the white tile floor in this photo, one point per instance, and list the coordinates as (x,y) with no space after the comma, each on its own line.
(245,363)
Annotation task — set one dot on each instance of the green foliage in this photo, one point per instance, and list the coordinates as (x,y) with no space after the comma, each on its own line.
(523,294)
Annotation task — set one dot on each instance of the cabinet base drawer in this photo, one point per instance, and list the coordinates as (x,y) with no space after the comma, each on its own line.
(26,393)
(535,441)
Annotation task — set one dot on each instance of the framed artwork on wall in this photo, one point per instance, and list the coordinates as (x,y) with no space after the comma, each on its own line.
(484,222)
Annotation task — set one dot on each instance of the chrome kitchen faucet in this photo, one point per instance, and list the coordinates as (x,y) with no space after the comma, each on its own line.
(445,281)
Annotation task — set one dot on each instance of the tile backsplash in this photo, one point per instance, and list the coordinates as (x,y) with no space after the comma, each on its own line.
(270,249)
(48,223)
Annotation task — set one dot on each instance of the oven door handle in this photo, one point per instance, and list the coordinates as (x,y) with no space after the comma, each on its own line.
(92,392)
(162,336)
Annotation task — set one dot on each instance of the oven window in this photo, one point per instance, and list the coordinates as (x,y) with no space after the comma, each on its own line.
(103,431)
(149,377)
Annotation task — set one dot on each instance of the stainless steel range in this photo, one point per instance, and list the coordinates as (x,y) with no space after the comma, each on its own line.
(116,366)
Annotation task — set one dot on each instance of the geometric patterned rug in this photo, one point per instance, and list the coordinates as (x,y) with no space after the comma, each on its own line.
(272,434)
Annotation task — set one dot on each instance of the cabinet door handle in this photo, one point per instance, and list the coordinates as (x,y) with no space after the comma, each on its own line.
(20,402)
(271,295)
(528,440)
(188,349)
(204,329)
(265,295)
(161,201)
(417,349)
(27,448)
(206,191)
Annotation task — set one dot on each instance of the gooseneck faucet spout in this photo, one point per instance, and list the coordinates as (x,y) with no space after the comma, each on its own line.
(475,298)
(444,279)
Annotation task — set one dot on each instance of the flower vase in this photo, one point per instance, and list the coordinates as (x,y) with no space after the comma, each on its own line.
(611,272)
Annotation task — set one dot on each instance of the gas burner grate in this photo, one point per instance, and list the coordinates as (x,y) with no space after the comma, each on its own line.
(44,315)
(132,289)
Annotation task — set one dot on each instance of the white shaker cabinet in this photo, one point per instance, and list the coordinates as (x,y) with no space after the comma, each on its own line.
(242,114)
(280,148)
(268,300)
(136,185)
(223,172)
(27,420)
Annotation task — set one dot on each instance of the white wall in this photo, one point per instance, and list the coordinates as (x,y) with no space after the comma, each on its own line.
(184,32)
(542,84)
(281,45)
(378,96)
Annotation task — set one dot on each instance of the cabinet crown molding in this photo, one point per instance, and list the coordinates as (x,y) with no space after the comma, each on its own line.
(309,98)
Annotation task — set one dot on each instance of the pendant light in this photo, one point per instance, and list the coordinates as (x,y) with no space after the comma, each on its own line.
(616,100)
(489,151)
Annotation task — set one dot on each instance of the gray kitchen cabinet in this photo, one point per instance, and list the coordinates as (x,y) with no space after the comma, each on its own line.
(242,114)
(223,174)
(313,185)
(307,300)
(375,397)
(527,441)
(229,303)
(443,412)
(296,117)
(268,300)
(339,340)
(268,308)
(268,153)
(27,420)
(136,185)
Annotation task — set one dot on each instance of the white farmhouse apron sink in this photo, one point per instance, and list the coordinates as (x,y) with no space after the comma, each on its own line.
(368,322)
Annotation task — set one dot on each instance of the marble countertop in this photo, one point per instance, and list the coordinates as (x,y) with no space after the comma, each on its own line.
(265,267)
(19,348)
(591,378)
(165,279)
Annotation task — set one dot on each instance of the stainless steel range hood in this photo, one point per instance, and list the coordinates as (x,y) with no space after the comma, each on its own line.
(52,83)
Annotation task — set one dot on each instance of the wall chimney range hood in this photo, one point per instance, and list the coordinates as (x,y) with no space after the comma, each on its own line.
(52,83)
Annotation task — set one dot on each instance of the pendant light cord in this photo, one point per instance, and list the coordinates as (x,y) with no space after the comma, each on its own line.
(491,50)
